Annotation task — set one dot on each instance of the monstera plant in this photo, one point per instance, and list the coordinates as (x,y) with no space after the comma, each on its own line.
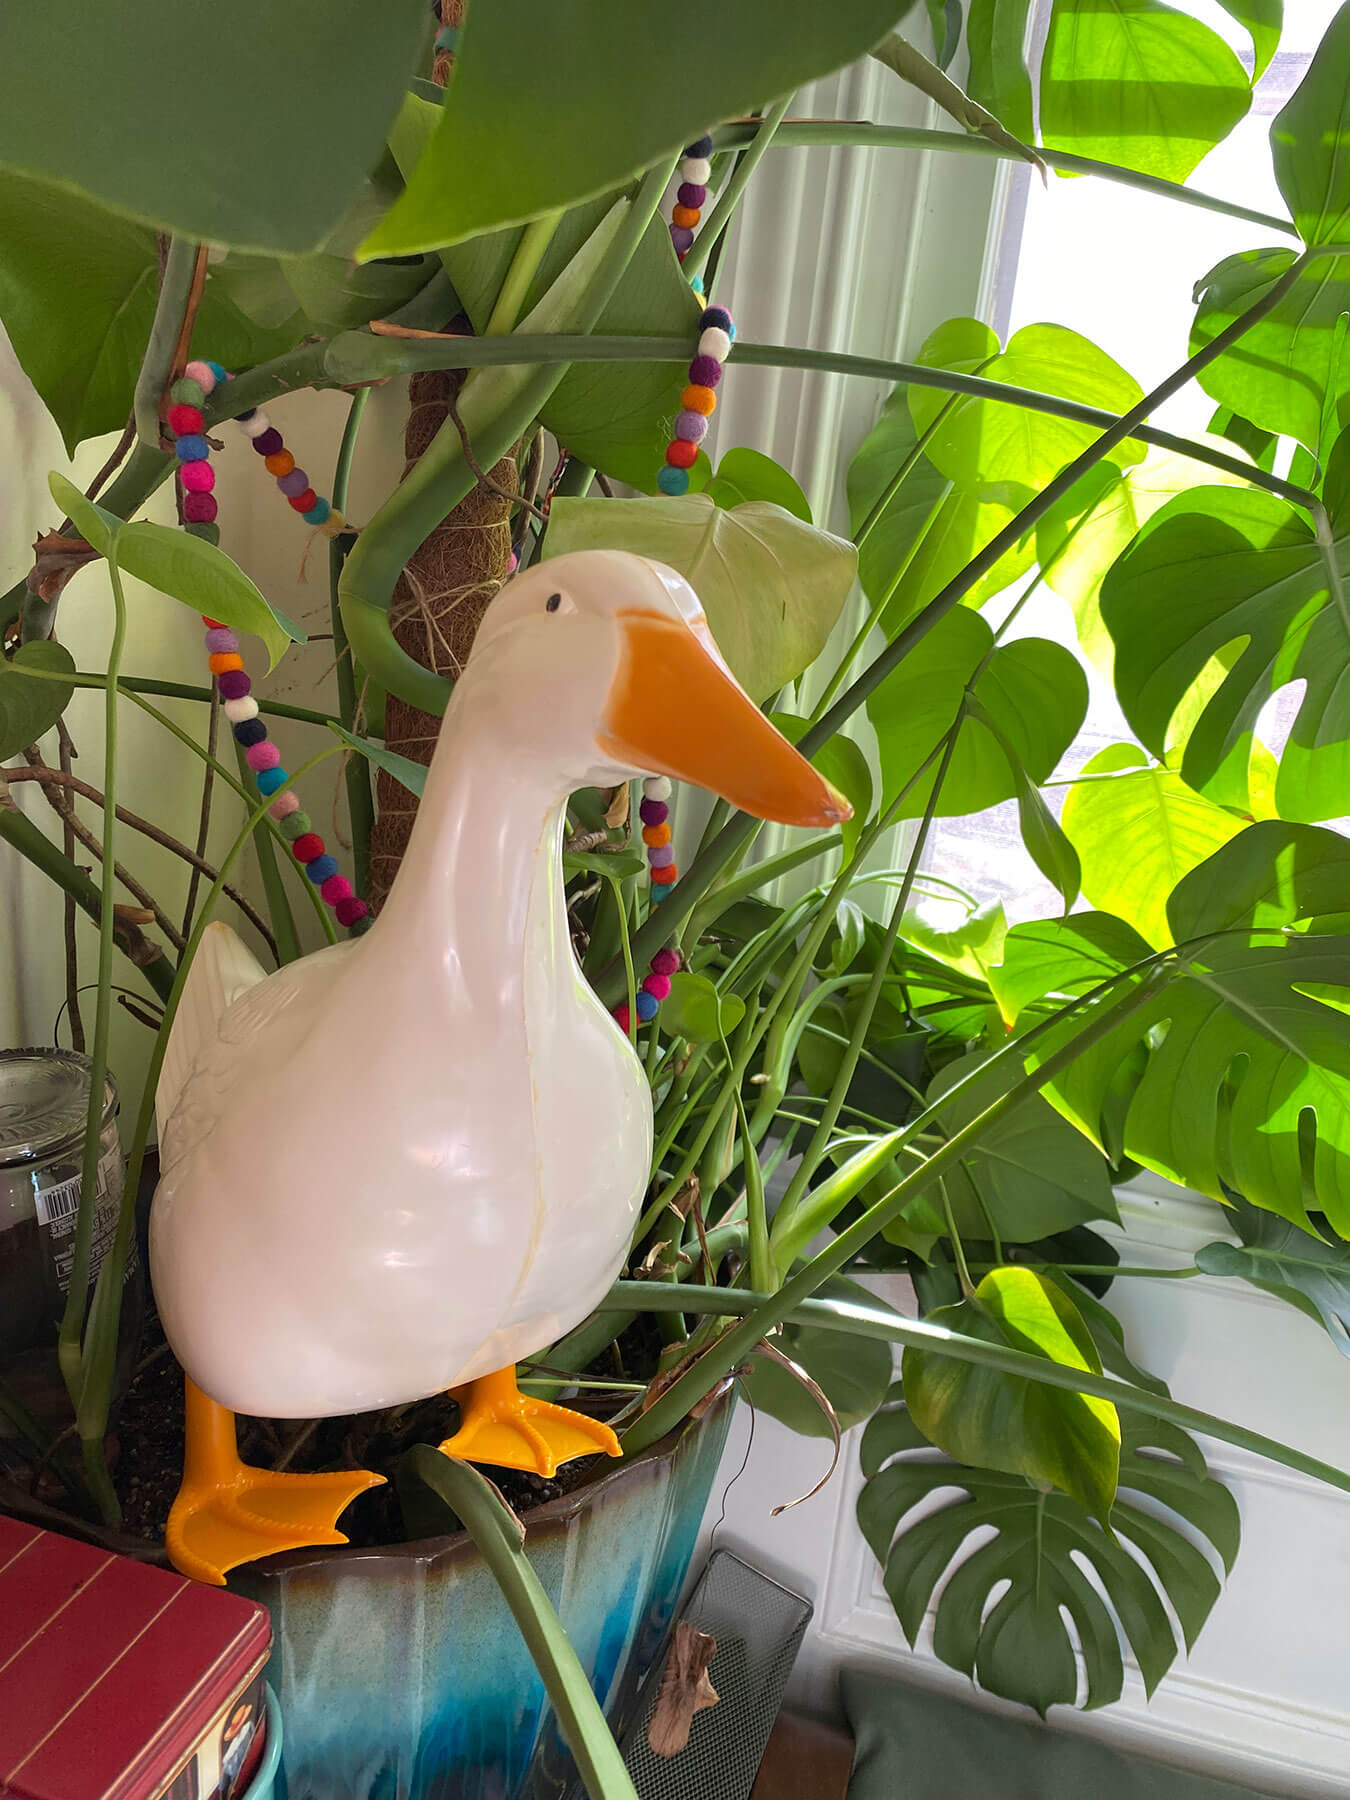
(860,1067)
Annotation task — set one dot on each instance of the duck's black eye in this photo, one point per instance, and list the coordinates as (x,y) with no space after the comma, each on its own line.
(553,602)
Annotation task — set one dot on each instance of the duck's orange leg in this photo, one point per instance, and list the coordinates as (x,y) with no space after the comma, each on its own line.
(500,1425)
(228,1512)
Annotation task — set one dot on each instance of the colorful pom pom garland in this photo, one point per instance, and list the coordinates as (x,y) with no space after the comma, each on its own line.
(698,401)
(695,168)
(197,480)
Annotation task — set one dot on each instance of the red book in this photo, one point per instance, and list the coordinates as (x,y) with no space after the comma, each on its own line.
(119,1681)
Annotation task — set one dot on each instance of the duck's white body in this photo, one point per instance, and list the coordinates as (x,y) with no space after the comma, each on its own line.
(411,1160)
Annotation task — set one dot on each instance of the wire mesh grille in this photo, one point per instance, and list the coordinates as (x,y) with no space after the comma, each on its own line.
(758,1625)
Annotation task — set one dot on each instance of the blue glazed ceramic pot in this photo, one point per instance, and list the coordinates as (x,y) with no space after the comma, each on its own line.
(401,1673)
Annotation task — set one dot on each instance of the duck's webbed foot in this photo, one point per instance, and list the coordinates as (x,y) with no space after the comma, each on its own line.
(502,1426)
(228,1512)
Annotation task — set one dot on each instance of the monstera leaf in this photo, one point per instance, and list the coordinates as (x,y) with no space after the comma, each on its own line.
(1287,373)
(1225,566)
(1276,1256)
(1251,1075)
(1042,1545)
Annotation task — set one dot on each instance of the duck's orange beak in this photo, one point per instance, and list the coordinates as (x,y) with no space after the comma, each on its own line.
(677,710)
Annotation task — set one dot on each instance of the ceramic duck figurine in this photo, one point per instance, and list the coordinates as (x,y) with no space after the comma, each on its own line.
(346,1220)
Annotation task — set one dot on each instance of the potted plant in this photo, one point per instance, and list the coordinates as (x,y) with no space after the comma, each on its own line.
(855,1066)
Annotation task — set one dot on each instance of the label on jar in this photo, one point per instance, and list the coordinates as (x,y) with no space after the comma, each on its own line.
(58,1207)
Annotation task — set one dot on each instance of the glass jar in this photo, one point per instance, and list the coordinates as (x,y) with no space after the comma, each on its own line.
(44,1099)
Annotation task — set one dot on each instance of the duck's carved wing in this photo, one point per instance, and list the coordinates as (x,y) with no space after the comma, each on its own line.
(223,969)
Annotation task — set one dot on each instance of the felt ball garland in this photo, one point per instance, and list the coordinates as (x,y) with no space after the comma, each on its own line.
(197,481)
(695,168)
(699,399)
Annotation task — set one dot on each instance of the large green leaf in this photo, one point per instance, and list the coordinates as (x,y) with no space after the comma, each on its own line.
(995,34)
(772,586)
(1296,1267)
(1136,83)
(1034,690)
(592,102)
(613,416)
(853,1373)
(750,475)
(985,445)
(1233,567)
(184,567)
(1262,20)
(1020,1645)
(1061,959)
(1078,540)
(303,94)
(1246,1083)
(1308,140)
(1281,371)
(1137,834)
(1270,875)
(926,530)
(326,291)
(984,1417)
(77,296)
(1028,1176)
(28,708)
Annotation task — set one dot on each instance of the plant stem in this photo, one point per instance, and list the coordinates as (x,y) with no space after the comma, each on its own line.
(687,1389)
(920,1334)
(19,831)
(730,197)
(279,912)
(101,1339)
(360,801)
(77,1293)
(157,363)
(801,134)
(530,252)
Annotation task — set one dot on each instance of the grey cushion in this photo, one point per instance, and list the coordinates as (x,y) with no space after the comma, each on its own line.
(914,1744)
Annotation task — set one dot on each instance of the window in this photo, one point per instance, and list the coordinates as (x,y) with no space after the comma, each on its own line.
(1118,265)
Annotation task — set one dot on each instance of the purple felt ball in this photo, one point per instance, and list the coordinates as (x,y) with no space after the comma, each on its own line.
(705,371)
(692,193)
(654,812)
(682,238)
(691,427)
(268,442)
(233,684)
(294,483)
(220,637)
(661,856)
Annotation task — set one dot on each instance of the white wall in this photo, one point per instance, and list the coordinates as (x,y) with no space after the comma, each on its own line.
(1263,1696)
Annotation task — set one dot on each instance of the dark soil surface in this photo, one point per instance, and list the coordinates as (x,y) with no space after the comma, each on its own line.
(147,1444)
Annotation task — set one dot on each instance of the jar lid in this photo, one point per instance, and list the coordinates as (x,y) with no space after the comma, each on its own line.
(44,1102)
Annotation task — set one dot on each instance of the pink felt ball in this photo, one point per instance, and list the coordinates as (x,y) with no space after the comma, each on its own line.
(286,802)
(202,373)
(665,962)
(197,477)
(337,887)
(262,756)
(658,986)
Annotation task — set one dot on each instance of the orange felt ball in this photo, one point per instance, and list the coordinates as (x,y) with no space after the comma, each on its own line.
(279,463)
(664,877)
(698,399)
(222,660)
(681,454)
(685,215)
(655,835)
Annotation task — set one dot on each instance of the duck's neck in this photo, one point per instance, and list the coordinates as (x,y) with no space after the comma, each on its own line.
(478,905)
